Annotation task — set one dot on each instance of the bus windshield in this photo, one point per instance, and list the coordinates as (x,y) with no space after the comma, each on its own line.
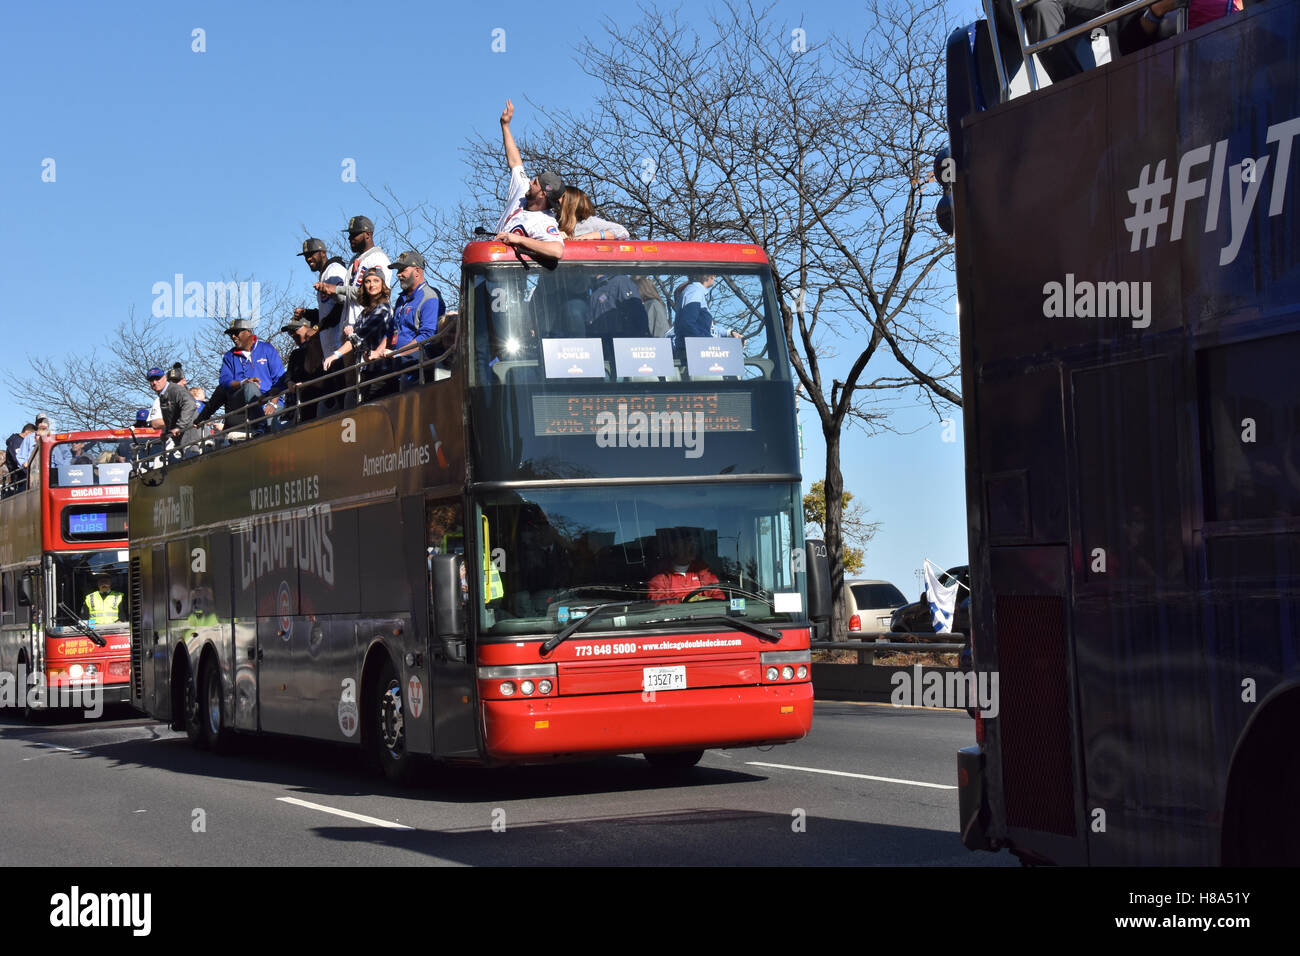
(96,462)
(665,551)
(79,576)
(635,318)
(627,369)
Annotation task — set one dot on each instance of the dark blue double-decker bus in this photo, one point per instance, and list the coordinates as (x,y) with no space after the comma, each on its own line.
(1128,264)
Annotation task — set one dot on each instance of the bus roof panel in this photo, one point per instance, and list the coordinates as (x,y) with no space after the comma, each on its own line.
(629,251)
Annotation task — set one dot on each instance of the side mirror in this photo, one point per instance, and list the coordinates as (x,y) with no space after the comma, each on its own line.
(25,598)
(449,601)
(819,587)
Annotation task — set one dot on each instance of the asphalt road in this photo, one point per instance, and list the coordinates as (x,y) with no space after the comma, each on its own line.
(871,785)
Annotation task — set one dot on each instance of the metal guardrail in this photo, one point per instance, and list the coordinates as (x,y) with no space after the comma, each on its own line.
(861,647)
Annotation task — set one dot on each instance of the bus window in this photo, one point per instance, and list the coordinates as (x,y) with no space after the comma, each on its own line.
(77,577)
(1250,429)
(565,552)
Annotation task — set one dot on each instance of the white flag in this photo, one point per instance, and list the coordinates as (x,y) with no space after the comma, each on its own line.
(943,599)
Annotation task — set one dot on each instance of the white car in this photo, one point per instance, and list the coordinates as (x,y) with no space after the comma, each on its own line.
(869,605)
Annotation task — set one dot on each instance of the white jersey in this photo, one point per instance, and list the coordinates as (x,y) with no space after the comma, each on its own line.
(372,258)
(326,304)
(526,222)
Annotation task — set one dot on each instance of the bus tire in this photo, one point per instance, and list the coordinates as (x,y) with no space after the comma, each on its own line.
(29,714)
(678,760)
(387,724)
(195,724)
(214,721)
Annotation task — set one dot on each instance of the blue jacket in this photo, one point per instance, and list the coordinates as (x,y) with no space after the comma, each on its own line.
(264,364)
(406,325)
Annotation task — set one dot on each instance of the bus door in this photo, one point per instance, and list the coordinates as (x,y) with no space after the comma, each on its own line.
(1024,599)
(450,661)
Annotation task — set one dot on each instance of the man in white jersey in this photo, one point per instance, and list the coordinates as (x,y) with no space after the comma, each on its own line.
(527,223)
(328,314)
(366,255)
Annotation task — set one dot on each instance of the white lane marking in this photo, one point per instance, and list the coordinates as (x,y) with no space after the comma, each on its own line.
(859,776)
(56,749)
(345,813)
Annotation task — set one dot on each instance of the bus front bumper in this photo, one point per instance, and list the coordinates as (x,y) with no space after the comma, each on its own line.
(607,724)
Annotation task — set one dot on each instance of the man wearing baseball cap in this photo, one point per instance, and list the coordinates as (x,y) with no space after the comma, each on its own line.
(328,314)
(303,368)
(527,222)
(252,374)
(417,313)
(366,255)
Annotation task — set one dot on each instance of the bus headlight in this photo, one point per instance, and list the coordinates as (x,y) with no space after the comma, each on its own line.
(527,687)
(785,665)
(507,688)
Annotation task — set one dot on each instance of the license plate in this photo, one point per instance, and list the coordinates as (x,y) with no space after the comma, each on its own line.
(883,622)
(663,678)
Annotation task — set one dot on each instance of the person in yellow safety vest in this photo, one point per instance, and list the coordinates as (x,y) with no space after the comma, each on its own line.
(104,605)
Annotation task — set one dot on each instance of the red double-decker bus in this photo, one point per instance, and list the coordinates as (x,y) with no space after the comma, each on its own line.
(575,532)
(65,638)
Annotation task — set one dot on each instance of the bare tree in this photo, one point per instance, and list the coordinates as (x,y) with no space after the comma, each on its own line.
(102,387)
(820,153)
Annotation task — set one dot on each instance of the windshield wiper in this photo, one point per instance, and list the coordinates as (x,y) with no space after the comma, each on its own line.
(739,623)
(578,625)
(84,626)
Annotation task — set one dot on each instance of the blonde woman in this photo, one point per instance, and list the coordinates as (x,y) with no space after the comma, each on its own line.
(578,220)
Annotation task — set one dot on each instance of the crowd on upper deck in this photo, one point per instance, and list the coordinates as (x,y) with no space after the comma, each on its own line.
(358,342)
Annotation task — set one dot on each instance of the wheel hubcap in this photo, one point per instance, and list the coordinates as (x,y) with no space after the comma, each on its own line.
(391,725)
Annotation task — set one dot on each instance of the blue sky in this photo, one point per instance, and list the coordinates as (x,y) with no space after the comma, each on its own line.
(210,164)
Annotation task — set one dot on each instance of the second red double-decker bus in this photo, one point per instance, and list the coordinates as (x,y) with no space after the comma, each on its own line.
(581,536)
(65,637)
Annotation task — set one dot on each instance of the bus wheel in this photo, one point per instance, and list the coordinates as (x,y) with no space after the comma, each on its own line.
(196,725)
(214,724)
(678,760)
(389,738)
(29,713)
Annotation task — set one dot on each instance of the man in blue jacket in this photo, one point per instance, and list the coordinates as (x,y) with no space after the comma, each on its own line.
(417,313)
(252,375)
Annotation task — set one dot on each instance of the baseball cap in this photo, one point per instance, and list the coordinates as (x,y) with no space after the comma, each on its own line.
(154,373)
(142,416)
(293,325)
(312,245)
(408,258)
(359,224)
(240,325)
(551,184)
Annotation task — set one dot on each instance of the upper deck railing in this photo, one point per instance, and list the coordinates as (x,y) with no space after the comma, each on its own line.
(1028,49)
